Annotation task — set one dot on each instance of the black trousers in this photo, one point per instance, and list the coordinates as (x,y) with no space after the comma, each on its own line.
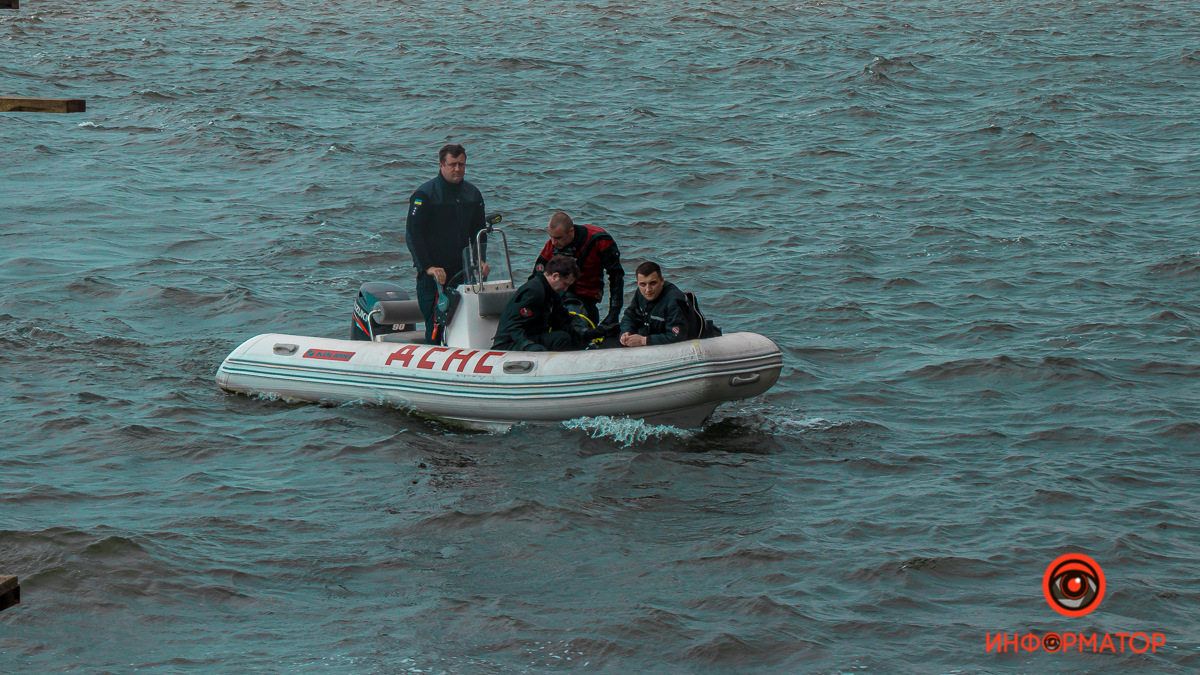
(579,305)
(427,296)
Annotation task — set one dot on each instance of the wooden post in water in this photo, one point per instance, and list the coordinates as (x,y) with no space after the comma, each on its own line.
(48,105)
(10,592)
(10,4)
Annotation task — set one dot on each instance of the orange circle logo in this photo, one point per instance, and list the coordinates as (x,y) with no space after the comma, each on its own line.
(1073,584)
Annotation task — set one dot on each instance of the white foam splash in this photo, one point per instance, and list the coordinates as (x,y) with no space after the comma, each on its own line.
(806,424)
(624,430)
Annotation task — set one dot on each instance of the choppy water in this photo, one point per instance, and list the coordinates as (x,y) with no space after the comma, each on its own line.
(971,226)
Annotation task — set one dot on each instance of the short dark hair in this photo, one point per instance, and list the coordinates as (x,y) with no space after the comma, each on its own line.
(452,149)
(647,268)
(563,265)
(560,219)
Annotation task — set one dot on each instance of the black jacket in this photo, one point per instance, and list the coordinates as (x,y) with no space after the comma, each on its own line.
(443,219)
(532,312)
(661,321)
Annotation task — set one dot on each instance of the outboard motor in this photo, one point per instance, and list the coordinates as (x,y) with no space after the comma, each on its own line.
(363,326)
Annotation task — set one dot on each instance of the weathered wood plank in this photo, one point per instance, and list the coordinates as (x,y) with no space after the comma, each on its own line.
(49,105)
(10,592)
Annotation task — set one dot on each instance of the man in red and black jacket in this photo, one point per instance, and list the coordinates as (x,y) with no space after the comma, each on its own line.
(595,252)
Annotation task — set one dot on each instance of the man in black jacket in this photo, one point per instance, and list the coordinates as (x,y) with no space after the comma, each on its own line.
(655,316)
(535,319)
(444,215)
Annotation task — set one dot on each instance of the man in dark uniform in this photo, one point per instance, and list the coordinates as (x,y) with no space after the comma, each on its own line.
(655,316)
(444,216)
(596,252)
(535,319)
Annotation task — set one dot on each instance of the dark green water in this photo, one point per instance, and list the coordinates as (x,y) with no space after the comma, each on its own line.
(971,227)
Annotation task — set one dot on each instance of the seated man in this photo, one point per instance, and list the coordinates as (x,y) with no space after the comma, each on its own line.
(534,319)
(656,315)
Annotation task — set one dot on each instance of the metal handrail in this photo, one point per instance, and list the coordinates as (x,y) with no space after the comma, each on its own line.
(477,250)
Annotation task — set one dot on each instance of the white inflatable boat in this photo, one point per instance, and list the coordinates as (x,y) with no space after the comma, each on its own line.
(467,382)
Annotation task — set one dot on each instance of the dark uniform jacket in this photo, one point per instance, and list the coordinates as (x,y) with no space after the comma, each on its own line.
(596,252)
(534,310)
(442,219)
(661,321)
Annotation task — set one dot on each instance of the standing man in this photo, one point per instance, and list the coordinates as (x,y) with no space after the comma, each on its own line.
(444,215)
(534,319)
(656,314)
(595,251)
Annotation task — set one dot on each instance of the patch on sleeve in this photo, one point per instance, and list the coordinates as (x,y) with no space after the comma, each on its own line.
(675,330)
(416,205)
(526,312)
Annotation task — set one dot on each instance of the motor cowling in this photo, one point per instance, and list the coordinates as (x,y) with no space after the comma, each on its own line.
(362,325)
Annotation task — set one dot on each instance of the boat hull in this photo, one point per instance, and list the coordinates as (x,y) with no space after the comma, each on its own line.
(679,384)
